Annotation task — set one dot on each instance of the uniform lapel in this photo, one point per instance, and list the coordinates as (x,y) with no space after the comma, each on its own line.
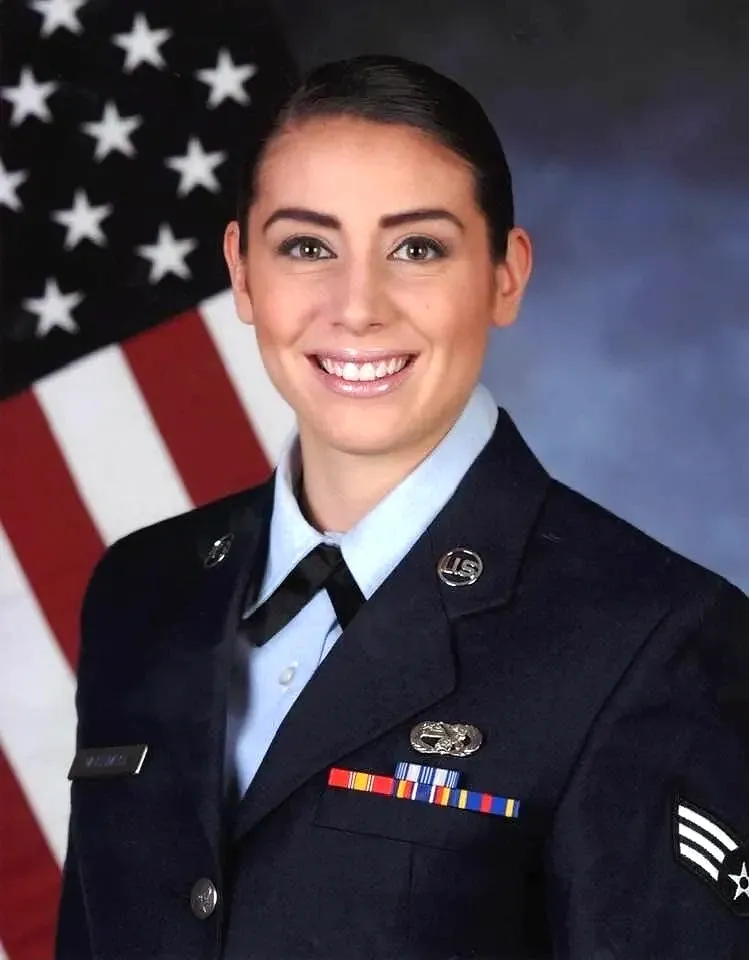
(396,657)
(187,674)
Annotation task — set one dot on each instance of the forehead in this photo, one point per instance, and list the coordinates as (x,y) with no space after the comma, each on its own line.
(348,158)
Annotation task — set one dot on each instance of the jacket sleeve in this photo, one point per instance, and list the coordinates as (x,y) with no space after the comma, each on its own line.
(649,852)
(72,941)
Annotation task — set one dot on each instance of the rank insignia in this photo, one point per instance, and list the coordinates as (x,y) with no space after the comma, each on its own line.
(424,792)
(706,847)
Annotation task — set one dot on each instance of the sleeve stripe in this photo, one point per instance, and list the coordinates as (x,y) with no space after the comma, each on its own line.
(707,826)
(689,853)
(715,852)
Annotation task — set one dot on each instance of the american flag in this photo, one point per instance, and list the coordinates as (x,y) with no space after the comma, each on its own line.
(130,392)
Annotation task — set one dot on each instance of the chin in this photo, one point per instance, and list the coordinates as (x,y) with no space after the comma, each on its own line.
(359,438)
(360,444)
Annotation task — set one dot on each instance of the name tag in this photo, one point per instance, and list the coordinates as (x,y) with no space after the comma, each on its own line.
(99,762)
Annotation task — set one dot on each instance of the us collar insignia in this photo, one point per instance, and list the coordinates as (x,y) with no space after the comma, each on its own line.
(219,551)
(460,567)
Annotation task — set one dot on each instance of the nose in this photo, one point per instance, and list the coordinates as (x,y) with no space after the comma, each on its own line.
(361,302)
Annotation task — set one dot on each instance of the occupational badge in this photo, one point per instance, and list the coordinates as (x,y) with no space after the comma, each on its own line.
(446,739)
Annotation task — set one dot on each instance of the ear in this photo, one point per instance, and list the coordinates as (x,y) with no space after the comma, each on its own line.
(237,266)
(511,278)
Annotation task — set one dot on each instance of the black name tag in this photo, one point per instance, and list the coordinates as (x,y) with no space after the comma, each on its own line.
(98,762)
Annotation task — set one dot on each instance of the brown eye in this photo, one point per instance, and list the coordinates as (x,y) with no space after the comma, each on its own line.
(419,249)
(307,247)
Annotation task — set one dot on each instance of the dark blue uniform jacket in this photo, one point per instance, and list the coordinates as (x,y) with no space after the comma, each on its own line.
(608,675)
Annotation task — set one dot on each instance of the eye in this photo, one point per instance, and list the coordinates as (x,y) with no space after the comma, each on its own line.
(304,244)
(424,245)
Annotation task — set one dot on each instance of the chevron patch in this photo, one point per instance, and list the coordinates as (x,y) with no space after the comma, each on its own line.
(707,848)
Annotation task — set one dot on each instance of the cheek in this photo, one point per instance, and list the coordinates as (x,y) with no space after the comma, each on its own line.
(281,317)
(455,324)
(287,306)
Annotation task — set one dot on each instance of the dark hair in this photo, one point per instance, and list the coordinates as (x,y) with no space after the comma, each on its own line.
(390,89)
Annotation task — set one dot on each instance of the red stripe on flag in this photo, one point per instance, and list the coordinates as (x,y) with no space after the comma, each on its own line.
(196,408)
(47,522)
(28,905)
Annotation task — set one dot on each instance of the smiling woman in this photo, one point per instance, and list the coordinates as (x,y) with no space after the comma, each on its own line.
(409,566)
(375,238)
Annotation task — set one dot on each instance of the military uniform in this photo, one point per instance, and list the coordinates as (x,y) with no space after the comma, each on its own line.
(608,679)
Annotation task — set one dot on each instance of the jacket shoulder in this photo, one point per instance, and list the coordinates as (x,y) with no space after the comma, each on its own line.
(610,553)
(155,554)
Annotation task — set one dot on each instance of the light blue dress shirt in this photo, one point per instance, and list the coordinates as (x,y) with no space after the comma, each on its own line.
(267,680)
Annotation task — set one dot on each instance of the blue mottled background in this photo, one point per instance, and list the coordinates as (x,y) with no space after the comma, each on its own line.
(627,129)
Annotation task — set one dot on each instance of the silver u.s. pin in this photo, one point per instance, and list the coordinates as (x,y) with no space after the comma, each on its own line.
(96,763)
(446,739)
(219,550)
(460,567)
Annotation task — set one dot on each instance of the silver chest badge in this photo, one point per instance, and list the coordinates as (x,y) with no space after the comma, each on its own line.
(460,567)
(219,551)
(446,739)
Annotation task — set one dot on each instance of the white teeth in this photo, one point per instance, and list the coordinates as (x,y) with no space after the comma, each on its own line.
(363,371)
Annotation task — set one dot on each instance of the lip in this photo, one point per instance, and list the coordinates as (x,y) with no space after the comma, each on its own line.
(362,388)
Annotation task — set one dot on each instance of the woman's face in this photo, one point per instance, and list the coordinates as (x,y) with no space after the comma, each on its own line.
(366,247)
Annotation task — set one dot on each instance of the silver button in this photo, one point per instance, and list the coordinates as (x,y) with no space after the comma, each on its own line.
(287,675)
(203,898)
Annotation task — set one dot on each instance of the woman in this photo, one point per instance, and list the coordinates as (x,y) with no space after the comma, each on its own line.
(530,739)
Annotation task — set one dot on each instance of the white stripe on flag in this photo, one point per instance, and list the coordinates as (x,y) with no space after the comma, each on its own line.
(37,705)
(701,840)
(271,417)
(696,857)
(708,826)
(113,449)
(3,954)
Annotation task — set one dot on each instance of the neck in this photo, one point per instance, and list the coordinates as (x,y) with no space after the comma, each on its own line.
(338,488)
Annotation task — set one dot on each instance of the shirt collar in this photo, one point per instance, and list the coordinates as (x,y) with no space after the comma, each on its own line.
(380,540)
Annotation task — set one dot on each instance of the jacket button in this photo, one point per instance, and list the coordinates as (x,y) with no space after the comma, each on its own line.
(203,898)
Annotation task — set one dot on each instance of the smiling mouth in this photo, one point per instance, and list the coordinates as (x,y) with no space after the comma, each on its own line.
(368,370)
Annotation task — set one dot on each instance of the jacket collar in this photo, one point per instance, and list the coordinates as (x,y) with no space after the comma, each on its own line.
(396,658)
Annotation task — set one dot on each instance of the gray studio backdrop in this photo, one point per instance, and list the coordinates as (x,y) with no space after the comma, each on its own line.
(626,128)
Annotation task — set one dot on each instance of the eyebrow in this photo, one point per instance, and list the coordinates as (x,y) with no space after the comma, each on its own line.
(303,215)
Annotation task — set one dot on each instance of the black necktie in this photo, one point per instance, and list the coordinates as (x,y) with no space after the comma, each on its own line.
(323,567)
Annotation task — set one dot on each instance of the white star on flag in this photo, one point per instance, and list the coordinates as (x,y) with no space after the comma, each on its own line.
(742,882)
(83,221)
(196,168)
(168,255)
(29,98)
(54,309)
(226,80)
(10,181)
(142,44)
(112,132)
(59,14)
